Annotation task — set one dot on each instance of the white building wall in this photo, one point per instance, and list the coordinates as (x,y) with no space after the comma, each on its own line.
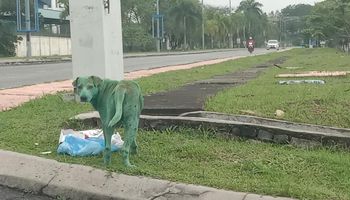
(45,46)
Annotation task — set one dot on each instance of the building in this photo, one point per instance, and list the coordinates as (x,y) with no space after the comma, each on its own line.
(53,38)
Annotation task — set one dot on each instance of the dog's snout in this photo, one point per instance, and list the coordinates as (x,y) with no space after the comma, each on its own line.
(83,99)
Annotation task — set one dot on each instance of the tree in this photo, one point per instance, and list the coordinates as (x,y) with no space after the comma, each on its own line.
(293,18)
(186,12)
(330,21)
(65,11)
(8,38)
(252,11)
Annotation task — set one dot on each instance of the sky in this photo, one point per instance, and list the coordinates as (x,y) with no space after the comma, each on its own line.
(269,5)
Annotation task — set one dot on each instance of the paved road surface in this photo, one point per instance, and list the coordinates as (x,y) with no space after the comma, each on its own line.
(12,194)
(16,76)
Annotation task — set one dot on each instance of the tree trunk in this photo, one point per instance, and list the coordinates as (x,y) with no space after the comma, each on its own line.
(238,36)
(244,33)
(185,36)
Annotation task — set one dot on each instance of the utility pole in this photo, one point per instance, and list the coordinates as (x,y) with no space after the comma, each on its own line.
(27,18)
(158,27)
(203,39)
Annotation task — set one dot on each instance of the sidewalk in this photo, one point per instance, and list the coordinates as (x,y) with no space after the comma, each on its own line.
(55,179)
(52,178)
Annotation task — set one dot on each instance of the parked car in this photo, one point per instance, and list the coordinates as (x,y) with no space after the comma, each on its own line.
(272,44)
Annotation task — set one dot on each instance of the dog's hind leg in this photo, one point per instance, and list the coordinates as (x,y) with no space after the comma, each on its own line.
(134,146)
(130,135)
(107,132)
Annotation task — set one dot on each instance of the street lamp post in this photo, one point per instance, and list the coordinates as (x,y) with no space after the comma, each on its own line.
(158,26)
(28,35)
(203,39)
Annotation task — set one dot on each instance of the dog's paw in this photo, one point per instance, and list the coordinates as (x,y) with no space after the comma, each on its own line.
(130,166)
(133,151)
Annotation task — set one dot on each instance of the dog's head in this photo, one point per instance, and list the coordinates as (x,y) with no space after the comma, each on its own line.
(86,87)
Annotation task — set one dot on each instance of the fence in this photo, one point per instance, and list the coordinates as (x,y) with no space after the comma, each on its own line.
(45,46)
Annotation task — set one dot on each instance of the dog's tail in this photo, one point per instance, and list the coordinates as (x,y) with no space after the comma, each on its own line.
(141,100)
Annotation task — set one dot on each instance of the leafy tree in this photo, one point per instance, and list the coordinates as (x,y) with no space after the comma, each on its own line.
(212,29)
(330,21)
(65,11)
(184,12)
(136,23)
(8,38)
(7,7)
(293,20)
(252,11)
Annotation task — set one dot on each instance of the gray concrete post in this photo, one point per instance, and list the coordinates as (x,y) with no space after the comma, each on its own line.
(96,32)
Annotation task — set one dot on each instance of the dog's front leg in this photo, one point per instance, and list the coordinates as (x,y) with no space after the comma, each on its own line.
(107,132)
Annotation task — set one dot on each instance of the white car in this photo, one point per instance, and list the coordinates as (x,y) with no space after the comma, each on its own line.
(272,44)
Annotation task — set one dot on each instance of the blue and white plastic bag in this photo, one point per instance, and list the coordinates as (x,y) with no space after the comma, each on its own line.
(86,143)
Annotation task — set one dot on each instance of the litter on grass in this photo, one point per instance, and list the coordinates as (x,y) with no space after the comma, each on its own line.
(314,74)
(291,82)
(86,143)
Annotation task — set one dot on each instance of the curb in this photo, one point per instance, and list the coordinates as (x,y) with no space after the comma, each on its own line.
(267,130)
(30,62)
(55,179)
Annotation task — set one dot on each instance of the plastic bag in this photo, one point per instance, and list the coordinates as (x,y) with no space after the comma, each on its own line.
(86,143)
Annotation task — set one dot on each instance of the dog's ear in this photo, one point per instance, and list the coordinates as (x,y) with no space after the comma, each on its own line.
(96,80)
(75,82)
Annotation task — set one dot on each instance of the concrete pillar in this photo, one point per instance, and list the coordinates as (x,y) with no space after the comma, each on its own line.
(96,38)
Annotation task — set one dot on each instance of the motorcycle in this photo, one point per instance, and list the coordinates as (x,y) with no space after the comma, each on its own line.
(250,47)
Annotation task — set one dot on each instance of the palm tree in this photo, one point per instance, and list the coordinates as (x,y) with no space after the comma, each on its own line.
(251,10)
(212,29)
(184,12)
(239,21)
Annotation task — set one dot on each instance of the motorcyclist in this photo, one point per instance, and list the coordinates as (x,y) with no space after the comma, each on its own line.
(250,44)
(251,41)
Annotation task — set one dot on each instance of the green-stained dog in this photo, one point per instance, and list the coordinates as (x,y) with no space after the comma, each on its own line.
(119,104)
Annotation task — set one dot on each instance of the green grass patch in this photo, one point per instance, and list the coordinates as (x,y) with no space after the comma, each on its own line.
(174,79)
(315,104)
(197,156)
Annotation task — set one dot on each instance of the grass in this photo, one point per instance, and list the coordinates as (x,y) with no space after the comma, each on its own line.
(195,156)
(315,104)
(174,79)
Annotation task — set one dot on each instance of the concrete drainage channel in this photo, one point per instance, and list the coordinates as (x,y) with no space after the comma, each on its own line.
(268,130)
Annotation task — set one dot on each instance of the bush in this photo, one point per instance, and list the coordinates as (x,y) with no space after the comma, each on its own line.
(7,41)
(135,39)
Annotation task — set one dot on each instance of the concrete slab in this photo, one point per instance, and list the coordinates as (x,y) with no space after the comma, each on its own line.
(192,97)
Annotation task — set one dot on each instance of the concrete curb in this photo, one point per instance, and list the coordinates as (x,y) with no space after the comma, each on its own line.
(268,130)
(55,179)
(15,62)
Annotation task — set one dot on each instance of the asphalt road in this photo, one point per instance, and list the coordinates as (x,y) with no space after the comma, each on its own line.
(21,75)
(11,194)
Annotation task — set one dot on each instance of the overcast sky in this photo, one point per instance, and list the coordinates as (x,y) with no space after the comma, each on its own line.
(269,5)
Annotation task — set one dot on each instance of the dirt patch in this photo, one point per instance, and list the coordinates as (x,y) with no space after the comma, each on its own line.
(192,97)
